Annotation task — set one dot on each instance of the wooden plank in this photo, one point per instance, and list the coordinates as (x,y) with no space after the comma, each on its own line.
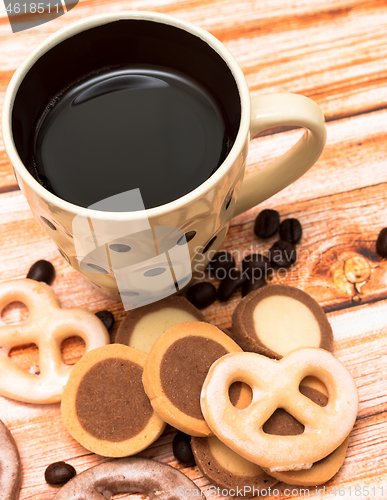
(353,158)
(357,216)
(333,52)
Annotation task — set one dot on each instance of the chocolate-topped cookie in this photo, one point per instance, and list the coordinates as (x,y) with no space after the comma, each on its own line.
(175,370)
(10,466)
(142,326)
(151,479)
(104,405)
(276,319)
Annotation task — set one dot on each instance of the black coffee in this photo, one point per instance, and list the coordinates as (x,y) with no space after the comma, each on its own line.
(140,127)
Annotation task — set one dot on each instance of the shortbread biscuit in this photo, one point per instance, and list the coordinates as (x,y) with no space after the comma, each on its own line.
(320,472)
(141,327)
(275,384)
(276,319)
(228,470)
(176,368)
(155,480)
(10,466)
(104,406)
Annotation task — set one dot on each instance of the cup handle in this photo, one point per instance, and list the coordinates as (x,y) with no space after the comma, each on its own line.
(273,110)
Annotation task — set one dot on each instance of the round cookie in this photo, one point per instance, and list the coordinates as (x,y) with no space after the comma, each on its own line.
(141,327)
(226,469)
(320,472)
(104,406)
(155,480)
(175,370)
(10,466)
(276,319)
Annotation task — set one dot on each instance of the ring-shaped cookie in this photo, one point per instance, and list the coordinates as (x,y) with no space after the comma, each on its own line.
(10,466)
(156,480)
(47,326)
(104,406)
(275,384)
(176,368)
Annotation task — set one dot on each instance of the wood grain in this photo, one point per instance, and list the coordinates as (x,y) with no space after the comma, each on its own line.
(333,51)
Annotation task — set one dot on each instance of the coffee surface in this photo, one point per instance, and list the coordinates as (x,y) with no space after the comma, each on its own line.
(150,128)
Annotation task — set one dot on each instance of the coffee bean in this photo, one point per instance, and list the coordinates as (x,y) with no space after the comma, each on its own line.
(221,264)
(181,446)
(106,317)
(230,284)
(381,244)
(250,285)
(290,230)
(43,271)
(59,473)
(256,266)
(266,223)
(283,254)
(202,294)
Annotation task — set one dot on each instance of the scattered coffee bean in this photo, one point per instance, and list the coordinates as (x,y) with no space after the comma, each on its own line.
(106,317)
(250,285)
(202,294)
(283,254)
(256,266)
(230,284)
(290,230)
(266,223)
(59,473)
(221,264)
(43,271)
(181,446)
(381,243)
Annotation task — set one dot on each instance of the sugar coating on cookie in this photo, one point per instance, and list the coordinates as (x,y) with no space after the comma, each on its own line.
(275,384)
(10,465)
(156,480)
(276,319)
(104,405)
(176,368)
(226,469)
(48,325)
(141,327)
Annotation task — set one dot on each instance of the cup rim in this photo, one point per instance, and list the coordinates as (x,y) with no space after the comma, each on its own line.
(99,20)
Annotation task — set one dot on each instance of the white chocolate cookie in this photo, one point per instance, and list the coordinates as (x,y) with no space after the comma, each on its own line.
(48,326)
(275,384)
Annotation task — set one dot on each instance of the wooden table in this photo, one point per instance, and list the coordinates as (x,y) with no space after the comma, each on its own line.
(333,51)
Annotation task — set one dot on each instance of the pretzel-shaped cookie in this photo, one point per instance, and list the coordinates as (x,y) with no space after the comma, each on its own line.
(47,326)
(157,480)
(275,384)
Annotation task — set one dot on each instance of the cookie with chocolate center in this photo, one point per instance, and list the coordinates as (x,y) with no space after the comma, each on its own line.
(276,319)
(141,327)
(104,405)
(175,371)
